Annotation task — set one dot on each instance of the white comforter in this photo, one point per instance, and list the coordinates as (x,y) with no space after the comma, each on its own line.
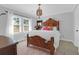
(47,35)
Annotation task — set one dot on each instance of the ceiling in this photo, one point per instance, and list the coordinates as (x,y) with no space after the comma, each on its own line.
(48,9)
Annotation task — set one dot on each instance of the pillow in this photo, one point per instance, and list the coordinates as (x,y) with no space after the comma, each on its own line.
(54,28)
(46,28)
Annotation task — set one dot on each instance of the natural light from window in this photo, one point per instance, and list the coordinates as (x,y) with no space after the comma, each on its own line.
(20,24)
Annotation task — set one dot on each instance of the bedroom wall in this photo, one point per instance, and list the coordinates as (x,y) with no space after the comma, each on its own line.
(66,25)
(33,23)
(3,24)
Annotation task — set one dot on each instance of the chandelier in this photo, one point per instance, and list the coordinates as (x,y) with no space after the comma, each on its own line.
(39,11)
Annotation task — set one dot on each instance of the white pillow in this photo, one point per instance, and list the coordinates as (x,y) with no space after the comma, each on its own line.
(54,28)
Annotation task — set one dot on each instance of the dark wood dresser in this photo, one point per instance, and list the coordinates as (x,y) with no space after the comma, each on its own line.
(7,46)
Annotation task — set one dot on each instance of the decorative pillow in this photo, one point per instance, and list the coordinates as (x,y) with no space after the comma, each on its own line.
(46,28)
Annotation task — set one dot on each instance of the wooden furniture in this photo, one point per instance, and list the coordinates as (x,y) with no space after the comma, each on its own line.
(9,50)
(39,25)
(7,46)
(40,42)
(51,23)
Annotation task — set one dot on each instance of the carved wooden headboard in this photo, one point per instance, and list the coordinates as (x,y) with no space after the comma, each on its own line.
(52,23)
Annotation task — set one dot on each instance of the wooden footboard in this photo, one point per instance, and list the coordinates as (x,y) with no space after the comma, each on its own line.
(41,42)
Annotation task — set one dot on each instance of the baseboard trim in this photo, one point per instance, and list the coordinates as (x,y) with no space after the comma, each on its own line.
(64,39)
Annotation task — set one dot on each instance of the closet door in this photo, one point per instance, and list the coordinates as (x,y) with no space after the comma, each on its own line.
(76,40)
(76,27)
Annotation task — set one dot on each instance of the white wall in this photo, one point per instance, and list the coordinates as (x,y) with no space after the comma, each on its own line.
(3,20)
(66,25)
(33,23)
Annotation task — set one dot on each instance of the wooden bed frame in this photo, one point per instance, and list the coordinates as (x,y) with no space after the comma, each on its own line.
(41,42)
(52,23)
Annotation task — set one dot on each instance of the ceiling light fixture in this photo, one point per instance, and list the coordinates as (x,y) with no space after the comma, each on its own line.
(39,11)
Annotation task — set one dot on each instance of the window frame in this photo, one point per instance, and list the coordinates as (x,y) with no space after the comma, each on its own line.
(21,23)
(25,25)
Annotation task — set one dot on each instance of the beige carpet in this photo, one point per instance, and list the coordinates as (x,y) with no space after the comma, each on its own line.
(65,48)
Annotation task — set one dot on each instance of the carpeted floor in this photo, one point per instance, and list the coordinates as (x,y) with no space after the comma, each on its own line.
(65,48)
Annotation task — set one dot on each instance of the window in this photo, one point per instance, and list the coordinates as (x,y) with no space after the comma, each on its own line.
(20,24)
(25,25)
(16,24)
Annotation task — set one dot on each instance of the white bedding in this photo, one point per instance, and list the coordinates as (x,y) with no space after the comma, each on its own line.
(47,35)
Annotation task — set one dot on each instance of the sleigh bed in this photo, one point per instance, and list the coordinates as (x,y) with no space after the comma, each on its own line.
(45,39)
